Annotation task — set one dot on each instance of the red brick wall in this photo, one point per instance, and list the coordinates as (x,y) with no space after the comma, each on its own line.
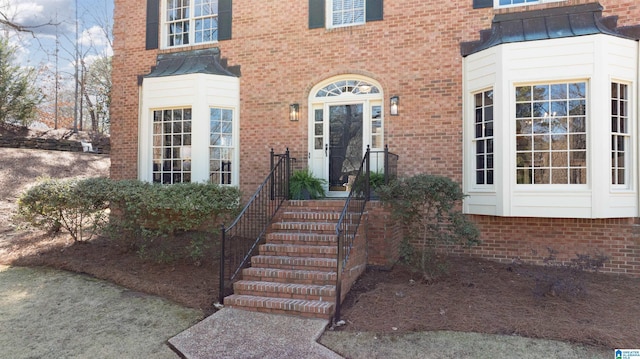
(529,240)
(384,235)
(414,53)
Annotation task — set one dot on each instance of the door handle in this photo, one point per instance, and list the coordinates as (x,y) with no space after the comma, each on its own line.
(326,150)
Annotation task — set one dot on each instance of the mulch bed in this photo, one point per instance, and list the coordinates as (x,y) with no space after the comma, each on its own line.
(474,296)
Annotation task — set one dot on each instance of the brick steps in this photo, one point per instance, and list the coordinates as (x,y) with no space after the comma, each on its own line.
(296,276)
(299,250)
(295,271)
(302,238)
(284,290)
(286,262)
(301,307)
(305,227)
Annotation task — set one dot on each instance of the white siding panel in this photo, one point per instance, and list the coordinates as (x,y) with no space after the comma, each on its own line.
(552,204)
(481,70)
(543,60)
(481,203)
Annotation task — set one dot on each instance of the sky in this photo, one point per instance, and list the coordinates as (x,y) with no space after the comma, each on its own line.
(55,19)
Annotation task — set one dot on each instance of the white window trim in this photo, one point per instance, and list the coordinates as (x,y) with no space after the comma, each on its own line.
(587,116)
(496,3)
(164,31)
(630,167)
(329,16)
(474,139)
(233,147)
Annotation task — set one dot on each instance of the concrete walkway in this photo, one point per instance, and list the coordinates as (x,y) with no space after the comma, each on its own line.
(234,333)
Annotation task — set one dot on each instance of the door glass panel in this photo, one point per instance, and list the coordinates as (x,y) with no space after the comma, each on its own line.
(317,132)
(376,127)
(345,145)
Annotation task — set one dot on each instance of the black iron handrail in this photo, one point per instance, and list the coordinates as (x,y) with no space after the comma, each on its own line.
(242,237)
(354,207)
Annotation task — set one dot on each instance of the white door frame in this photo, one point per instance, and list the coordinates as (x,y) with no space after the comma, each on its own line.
(318,133)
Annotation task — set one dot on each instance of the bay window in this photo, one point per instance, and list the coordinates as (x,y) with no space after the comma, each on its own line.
(554,136)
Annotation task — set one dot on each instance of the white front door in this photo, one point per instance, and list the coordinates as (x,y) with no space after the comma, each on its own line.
(345,117)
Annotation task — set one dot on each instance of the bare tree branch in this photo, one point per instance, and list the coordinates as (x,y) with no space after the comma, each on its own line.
(4,20)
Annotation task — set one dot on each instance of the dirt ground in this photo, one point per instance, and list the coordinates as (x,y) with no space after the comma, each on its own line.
(475,296)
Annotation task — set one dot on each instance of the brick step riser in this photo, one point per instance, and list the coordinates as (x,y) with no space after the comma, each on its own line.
(306,239)
(313,217)
(299,309)
(278,250)
(315,205)
(329,266)
(304,227)
(289,277)
(287,291)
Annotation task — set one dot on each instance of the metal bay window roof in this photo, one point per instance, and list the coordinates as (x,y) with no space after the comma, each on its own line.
(549,23)
(203,61)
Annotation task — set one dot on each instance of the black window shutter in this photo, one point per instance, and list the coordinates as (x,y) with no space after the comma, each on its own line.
(374,10)
(479,4)
(153,23)
(316,14)
(224,20)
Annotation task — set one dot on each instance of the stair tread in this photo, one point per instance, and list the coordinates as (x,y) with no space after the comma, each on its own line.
(293,259)
(289,304)
(297,271)
(291,285)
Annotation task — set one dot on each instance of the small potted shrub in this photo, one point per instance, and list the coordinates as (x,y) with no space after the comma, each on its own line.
(304,185)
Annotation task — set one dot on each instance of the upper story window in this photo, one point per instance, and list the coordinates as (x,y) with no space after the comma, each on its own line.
(506,3)
(341,13)
(191,22)
(479,4)
(346,12)
(551,137)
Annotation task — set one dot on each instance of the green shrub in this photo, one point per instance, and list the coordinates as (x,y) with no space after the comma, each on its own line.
(73,205)
(138,209)
(304,185)
(160,210)
(429,208)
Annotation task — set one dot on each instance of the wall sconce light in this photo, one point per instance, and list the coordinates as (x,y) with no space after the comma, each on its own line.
(393,108)
(294,112)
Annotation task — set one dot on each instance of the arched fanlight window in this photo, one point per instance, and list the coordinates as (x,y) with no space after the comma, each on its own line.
(347,87)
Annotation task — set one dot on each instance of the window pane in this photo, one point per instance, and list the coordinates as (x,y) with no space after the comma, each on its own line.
(221,150)
(524,176)
(171,146)
(483,120)
(523,159)
(558,142)
(524,143)
(620,136)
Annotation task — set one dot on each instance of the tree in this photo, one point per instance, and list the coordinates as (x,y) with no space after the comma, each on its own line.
(96,90)
(18,96)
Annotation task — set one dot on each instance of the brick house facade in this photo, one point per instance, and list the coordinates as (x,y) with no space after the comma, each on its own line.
(433,57)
